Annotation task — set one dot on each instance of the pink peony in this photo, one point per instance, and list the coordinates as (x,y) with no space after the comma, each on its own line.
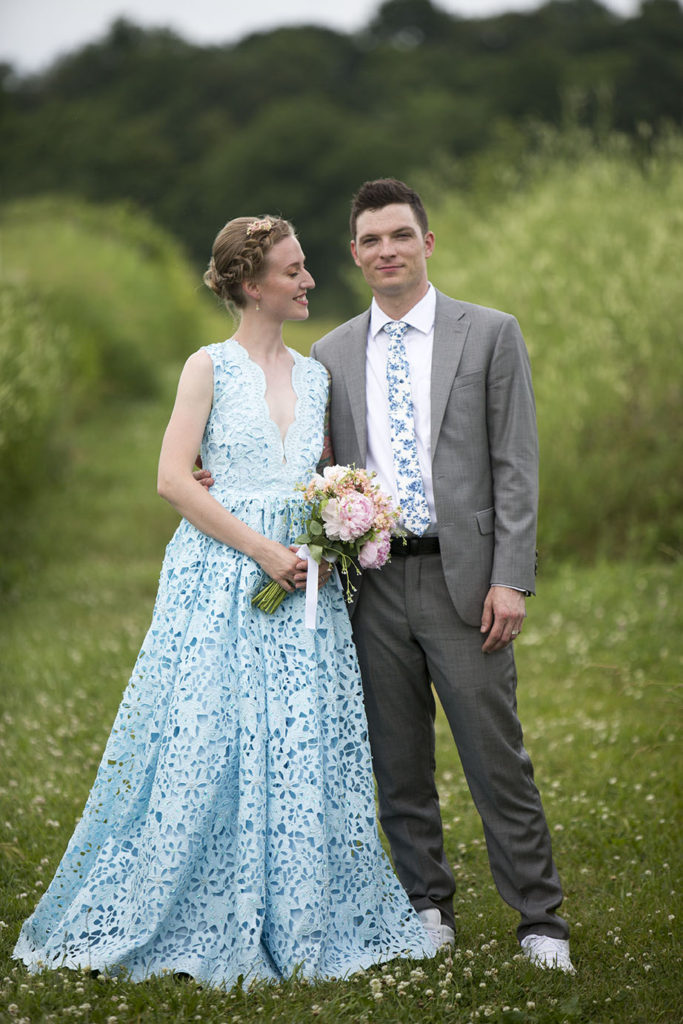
(357,513)
(349,516)
(374,553)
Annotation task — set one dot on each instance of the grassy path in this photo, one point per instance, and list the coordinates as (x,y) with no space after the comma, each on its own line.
(600,664)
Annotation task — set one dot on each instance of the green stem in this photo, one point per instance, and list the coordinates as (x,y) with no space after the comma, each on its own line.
(270,597)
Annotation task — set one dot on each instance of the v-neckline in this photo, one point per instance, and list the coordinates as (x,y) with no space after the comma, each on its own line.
(283,437)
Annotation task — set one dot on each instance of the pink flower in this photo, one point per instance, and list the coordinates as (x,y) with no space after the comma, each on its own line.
(349,516)
(357,512)
(315,484)
(374,553)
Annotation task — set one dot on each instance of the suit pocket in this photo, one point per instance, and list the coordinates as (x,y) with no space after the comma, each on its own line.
(486,520)
(466,380)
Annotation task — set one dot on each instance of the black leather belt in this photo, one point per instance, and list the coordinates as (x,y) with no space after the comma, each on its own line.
(415,546)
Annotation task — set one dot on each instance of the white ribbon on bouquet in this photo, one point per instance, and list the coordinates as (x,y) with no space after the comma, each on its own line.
(312,571)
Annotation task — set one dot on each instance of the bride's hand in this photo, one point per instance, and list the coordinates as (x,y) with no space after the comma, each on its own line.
(283,565)
(300,576)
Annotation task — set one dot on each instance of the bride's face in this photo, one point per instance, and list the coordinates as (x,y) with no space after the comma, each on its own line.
(285,282)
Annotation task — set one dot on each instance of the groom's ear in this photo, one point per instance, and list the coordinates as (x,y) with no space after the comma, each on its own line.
(354,253)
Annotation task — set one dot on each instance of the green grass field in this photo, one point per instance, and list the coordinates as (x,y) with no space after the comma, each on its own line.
(600,668)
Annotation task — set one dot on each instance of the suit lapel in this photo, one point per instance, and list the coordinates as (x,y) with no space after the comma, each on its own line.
(354,378)
(450,331)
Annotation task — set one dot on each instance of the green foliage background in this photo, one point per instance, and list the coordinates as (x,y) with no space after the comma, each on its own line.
(584,245)
(587,253)
(95,301)
(292,120)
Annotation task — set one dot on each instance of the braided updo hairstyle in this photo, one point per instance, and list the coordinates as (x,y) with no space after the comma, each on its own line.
(239,254)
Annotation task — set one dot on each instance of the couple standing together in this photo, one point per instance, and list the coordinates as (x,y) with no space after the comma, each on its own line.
(231,828)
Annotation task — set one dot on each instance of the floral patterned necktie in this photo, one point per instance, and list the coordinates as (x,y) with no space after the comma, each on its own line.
(411,495)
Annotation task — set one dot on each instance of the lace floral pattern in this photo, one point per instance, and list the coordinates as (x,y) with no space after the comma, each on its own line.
(231,827)
(411,494)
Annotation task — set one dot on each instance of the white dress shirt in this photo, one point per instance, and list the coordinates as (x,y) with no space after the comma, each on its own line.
(419,340)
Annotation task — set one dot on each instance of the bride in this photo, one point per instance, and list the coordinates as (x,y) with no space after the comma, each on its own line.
(230,830)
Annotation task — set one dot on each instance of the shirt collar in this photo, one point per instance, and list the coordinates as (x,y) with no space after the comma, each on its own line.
(421,316)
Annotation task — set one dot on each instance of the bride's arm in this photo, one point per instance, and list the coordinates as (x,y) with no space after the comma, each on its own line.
(176,483)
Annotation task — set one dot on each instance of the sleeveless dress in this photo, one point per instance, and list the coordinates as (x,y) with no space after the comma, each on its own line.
(230,832)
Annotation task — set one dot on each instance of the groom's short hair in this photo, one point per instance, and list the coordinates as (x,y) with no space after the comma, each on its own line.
(373,195)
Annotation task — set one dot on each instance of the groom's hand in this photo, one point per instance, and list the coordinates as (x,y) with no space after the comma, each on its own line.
(201,475)
(504,613)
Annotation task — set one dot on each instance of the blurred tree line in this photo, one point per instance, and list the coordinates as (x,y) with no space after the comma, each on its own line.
(293,120)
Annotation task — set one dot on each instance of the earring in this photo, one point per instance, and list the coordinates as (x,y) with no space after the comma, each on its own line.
(258,308)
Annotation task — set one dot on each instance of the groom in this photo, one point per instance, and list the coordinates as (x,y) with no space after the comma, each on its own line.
(435,395)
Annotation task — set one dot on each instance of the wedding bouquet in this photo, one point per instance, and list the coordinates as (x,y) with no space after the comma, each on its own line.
(352,520)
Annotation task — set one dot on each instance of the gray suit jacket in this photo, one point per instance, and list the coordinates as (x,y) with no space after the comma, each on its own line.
(483,436)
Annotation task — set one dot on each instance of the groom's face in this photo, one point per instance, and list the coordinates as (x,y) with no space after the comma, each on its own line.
(392,251)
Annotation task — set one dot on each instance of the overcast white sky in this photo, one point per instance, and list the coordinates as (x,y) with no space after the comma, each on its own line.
(34,32)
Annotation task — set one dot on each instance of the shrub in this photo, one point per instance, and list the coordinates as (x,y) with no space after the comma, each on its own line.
(95,302)
(120,284)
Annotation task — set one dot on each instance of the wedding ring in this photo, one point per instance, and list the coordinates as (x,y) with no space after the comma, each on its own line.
(516,634)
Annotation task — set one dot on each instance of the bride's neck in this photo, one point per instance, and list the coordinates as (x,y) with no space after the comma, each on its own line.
(261,337)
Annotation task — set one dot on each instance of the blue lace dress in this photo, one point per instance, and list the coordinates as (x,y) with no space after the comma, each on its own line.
(231,828)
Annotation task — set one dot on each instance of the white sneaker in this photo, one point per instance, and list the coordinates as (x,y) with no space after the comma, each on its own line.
(440,934)
(544,951)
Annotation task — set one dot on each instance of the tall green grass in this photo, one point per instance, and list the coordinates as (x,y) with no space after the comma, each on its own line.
(94,302)
(587,253)
(120,284)
(34,357)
